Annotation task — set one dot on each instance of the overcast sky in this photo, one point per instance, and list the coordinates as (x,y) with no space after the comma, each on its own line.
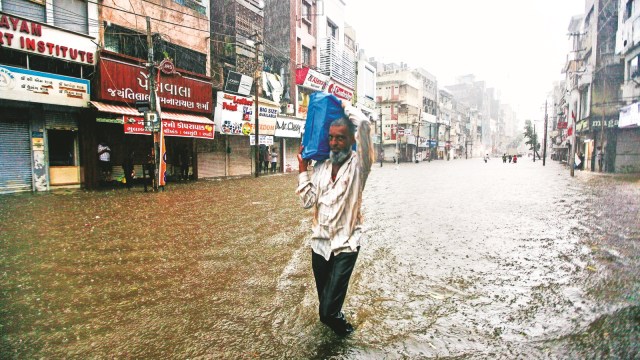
(516,46)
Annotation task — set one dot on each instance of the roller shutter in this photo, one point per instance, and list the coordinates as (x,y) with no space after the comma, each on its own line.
(15,155)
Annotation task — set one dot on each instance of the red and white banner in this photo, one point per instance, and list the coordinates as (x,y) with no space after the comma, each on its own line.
(311,79)
(135,125)
(340,91)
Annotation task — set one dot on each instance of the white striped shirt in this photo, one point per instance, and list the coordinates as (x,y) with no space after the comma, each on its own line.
(337,218)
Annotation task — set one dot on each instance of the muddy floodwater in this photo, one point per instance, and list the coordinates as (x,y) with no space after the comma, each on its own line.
(462,260)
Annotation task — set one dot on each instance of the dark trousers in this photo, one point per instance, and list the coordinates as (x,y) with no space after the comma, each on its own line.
(332,280)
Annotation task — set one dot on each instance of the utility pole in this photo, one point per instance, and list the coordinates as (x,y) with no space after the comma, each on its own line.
(544,152)
(381,152)
(152,108)
(418,137)
(398,139)
(604,92)
(257,75)
(572,155)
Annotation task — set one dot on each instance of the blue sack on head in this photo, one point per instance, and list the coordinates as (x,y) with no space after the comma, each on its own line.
(323,109)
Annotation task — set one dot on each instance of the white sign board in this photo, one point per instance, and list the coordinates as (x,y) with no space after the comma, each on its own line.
(39,87)
(264,140)
(36,38)
(289,128)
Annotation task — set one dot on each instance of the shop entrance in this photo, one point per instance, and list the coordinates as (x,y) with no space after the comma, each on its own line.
(64,167)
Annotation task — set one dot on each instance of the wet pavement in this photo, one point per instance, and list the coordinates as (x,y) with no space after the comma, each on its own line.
(463,260)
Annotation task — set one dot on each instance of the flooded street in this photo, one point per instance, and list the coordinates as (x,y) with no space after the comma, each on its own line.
(462,260)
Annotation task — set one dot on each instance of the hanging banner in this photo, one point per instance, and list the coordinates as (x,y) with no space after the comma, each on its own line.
(238,83)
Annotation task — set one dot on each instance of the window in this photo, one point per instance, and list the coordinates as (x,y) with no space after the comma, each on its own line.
(71,15)
(634,67)
(306,55)
(349,43)
(332,29)
(32,10)
(306,10)
(128,42)
(628,9)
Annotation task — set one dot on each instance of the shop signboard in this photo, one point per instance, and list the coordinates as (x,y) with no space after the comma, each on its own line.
(135,125)
(39,87)
(36,38)
(311,79)
(128,83)
(289,128)
(233,114)
(238,83)
(340,91)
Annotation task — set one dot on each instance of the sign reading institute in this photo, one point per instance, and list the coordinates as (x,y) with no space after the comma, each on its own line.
(33,37)
(129,83)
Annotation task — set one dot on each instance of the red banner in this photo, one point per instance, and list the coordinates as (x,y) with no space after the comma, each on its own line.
(127,83)
(562,124)
(135,125)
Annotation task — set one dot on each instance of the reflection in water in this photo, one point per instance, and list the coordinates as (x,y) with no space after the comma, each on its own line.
(463,259)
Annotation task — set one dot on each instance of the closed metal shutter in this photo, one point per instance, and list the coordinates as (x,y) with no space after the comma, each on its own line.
(60,120)
(15,155)
(241,156)
(211,157)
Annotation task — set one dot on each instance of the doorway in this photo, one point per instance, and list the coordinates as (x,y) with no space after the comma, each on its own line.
(64,169)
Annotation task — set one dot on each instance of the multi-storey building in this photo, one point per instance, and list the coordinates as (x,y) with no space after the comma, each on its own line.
(336,49)
(598,84)
(628,47)
(143,43)
(47,58)
(474,94)
(400,102)
(290,54)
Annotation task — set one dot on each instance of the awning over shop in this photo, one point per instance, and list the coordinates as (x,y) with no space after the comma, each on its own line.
(115,109)
(166,115)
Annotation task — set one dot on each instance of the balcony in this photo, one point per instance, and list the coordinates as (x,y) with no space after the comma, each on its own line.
(337,63)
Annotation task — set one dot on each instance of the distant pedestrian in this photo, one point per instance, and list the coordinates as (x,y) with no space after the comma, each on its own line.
(486,158)
(184,160)
(504,158)
(509,157)
(599,155)
(515,159)
(274,160)
(104,161)
(127,166)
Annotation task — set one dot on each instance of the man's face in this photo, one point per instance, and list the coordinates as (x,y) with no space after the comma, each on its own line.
(340,142)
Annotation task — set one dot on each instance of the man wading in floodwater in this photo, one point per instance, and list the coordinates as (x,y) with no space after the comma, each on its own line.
(335,193)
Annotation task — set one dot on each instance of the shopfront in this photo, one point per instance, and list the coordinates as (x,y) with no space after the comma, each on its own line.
(288,134)
(43,102)
(39,144)
(185,105)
